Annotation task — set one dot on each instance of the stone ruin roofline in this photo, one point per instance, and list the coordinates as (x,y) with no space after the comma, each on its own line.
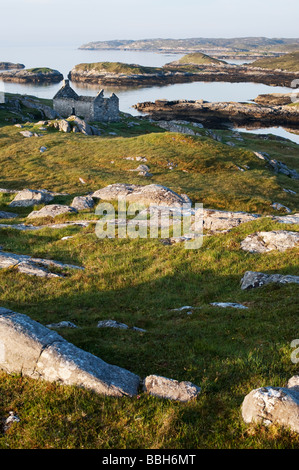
(67,92)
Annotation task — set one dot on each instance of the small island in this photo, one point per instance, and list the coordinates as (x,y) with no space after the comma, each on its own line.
(261,112)
(197,58)
(10,66)
(190,68)
(289,62)
(246,48)
(34,75)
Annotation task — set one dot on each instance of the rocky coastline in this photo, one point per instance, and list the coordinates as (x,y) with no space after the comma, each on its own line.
(31,76)
(171,74)
(221,113)
(10,66)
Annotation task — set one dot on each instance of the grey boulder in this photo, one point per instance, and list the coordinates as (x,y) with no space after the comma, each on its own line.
(163,387)
(287,219)
(27,134)
(228,305)
(252,279)
(51,210)
(33,266)
(149,194)
(7,215)
(263,242)
(81,203)
(31,197)
(273,405)
(31,349)
(215,220)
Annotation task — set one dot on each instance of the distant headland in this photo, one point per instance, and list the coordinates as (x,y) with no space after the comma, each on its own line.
(247,48)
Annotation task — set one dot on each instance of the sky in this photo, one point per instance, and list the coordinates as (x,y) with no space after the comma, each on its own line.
(75,22)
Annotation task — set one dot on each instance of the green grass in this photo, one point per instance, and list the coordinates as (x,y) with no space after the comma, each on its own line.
(198,58)
(40,70)
(288,62)
(226,352)
(116,67)
(205,170)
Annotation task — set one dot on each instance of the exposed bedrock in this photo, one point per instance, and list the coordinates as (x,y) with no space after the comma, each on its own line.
(220,112)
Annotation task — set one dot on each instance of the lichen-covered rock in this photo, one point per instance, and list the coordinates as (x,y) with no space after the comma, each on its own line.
(79,125)
(31,349)
(31,197)
(61,324)
(215,220)
(228,305)
(281,207)
(112,324)
(117,324)
(162,387)
(32,266)
(7,215)
(81,203)
(262,242)
(51,210)
(149,194)
(272,405)
(64,126)
(27,134)
(287,219)
(252,279)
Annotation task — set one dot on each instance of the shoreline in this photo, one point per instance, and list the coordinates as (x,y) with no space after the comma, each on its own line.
(222,113)
(179,74)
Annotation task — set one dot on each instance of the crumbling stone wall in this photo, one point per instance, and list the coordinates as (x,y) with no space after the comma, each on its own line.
(66,103)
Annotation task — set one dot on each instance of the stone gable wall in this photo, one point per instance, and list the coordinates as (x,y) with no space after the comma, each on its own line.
(103,110)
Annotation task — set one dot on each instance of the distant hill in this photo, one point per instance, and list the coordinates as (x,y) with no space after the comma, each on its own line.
(245,44)
(114,67)
(288,62)
(198,58)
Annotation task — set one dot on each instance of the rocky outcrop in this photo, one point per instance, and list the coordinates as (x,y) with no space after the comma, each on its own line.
(7,215)
(149,194)
(81,203)
(273,405)
(228,305)
(74,124)
(211,114)
(118,325)
(33,350)
(215,220)
(32,76)
(170,389)
(252,279)
(277,166)
(52,211)
(287,219)
(26,227)
(276,99)
(60,325)
(33,266)
(263,242)
(27,134)
(17,102)
(31,197)
(170,74)
(176,126)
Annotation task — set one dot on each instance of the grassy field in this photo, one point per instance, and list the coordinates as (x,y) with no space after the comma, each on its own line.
(227,352)
(40,70)
(198,58)
(288,62)
(116,67)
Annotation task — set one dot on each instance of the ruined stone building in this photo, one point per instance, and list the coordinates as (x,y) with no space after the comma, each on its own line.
(67,103)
